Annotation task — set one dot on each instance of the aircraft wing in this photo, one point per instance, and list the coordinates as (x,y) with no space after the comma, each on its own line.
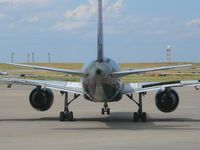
(140,71)
(71,87)
(155,86)
(72,72)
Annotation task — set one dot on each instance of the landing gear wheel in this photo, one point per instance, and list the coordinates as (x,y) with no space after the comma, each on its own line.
(108,111)
(135,117)
(144,117)
(62,116)
(70,116)
(140,116)
(102,111)
(105,109)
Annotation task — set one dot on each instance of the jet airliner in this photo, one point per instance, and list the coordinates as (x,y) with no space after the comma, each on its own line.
(101,81)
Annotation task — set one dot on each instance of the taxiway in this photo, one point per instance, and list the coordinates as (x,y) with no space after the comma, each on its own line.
(22,128)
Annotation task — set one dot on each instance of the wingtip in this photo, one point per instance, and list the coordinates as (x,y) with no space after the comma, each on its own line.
(186,65)
(189,65)
(8,63)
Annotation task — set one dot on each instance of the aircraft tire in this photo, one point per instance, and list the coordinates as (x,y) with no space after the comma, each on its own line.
(108,111)
(144,117)
(135,117)
(102,111)
(70,116)
(62,116)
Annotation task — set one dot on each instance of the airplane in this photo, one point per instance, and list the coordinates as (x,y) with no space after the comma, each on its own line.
(3,73)
(101,81)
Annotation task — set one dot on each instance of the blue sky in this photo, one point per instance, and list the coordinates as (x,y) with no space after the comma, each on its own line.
(135,30)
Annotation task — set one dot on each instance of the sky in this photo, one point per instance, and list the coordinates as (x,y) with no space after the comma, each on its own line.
(134,30)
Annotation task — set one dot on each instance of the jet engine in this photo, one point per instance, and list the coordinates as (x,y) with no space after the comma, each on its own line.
(41,100)
(167,101)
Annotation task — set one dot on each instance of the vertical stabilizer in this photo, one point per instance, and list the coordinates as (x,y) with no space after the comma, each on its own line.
(100,45)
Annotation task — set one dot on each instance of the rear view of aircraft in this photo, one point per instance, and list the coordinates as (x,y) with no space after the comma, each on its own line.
(101,82)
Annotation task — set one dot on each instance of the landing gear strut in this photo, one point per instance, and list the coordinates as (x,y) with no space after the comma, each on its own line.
(67,114)
(106,109)
(140,115)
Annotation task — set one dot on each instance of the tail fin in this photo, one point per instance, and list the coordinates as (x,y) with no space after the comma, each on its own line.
(100,45)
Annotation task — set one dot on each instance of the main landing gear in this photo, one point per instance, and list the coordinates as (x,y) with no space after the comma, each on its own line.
(140,115)
(66,114)
(106,109)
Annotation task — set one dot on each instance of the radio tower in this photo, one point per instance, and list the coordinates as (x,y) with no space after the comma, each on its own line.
(168,54)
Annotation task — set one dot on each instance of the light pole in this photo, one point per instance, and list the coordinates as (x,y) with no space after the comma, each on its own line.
(33,57)
(28,58)
(49,58)
(12,57)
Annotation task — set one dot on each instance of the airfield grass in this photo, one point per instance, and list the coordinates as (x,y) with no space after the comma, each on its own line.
(190,73)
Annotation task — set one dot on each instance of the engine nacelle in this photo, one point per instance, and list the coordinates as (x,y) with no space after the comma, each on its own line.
(41,100)
(167,101)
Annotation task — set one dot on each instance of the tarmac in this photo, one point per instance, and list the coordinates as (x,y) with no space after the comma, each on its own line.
(23,128)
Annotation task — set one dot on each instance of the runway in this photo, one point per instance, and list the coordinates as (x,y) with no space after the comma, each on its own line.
(23,128)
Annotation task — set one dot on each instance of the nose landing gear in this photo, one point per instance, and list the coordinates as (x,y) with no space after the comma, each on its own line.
(106,109)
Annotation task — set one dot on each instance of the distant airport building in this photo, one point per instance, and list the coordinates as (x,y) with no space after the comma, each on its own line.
(168,54)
